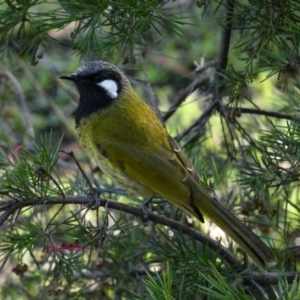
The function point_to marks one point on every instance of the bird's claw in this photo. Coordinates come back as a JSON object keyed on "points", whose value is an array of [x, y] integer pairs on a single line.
{"points": [[96, 199], [145, 209], [95, 193]]}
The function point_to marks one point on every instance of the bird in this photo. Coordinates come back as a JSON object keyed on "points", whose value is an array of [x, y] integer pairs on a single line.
{"points": [[128, 142]]}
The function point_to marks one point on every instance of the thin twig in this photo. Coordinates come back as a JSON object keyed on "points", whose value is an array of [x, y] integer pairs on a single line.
{"points": [[198, 82], [230, 153], [225, 37], [27, 119], [153, 99], [71, 92], [264, 113], [88, 182], [259, 288], [216, 103], [235, 137], [246, 135], [7, 213], [200, 122], [42, 172], [73, 214], [54, 216], [223, 54], [49, 99], [271, 278]]}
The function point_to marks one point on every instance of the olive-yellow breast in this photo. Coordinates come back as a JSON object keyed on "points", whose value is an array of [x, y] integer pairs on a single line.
{"points": [[127, 141]]}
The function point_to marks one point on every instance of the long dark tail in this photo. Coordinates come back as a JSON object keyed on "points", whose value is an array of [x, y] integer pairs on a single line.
{"points": [[232, 226]]}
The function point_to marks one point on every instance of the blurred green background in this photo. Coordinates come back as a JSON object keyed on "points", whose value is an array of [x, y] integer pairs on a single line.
{"points": [[250, 160]]}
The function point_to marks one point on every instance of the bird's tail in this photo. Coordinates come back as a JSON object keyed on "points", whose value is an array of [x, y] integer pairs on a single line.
{"points": [[232, 226]]}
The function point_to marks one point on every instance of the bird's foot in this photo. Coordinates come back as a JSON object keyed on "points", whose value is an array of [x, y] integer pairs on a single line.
{"points": [[95, 199], [95, 193], [145, 209]]}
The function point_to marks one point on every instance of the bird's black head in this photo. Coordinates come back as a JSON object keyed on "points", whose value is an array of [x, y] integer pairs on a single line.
{"points": [[99, 83]]}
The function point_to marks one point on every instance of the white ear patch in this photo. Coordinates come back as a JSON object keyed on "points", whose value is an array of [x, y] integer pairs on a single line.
{"points": [[110, 87]]}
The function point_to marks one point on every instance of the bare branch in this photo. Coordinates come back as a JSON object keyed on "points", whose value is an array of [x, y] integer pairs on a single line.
{"points": [[199, 124], [198, 82], [225, 36], [18, 89], [49, 99], [153, 99], [272, 278], [264, 113]]}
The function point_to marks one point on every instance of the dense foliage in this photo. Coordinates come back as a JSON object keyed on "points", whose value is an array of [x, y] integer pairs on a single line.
{"points": [[225, 77]]}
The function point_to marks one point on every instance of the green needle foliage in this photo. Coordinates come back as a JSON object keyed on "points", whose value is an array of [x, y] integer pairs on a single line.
{"points": [[28, 174], [98, 25], [224, 74]]}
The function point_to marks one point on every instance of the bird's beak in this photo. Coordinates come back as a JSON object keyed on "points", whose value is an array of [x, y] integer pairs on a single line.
{"points": [[71, 77]]}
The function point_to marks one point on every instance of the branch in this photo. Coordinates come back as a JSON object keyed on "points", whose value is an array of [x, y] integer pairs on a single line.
{"points": [[221, 64], [9, 207], [50, 101], [263, 113], [225, 37], [200, 123], [27, 118], [198, 82], [152, 98], [223, 53], [271, 278], [216, 103]]}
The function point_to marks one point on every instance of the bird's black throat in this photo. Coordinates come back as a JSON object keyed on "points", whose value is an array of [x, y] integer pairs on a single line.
{"points": [[92, 99]]}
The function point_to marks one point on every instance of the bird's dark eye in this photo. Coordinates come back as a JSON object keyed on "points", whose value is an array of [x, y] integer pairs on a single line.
{"points": [[98, 79]]}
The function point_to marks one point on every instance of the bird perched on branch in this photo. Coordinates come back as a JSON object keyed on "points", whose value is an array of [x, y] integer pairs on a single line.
{"points": [[128, 142]]}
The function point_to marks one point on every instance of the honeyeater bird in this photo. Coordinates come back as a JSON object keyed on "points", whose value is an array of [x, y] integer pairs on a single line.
{"points": [[128, 142]]}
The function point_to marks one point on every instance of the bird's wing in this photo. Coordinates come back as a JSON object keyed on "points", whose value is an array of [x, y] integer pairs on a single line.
{"points": [[166, 172], [183, 158]]}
